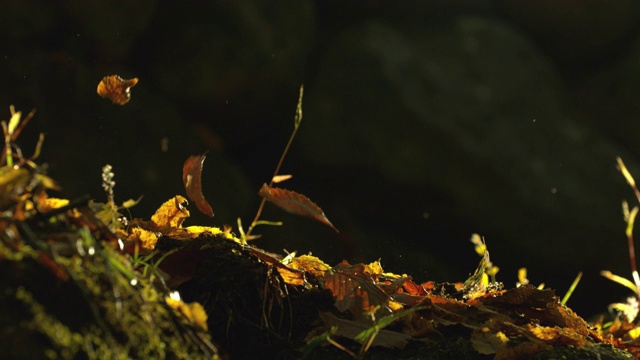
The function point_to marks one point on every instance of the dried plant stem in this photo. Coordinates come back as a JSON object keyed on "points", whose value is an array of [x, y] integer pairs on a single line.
{"points": [[630, 217], [296, 121]]}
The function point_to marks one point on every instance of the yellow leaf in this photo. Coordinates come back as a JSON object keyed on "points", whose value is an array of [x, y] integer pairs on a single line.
{"points": [[625, 172], [480, 246], [15, 120], [374, 269], [172, 213], [291, 277], [395, 306], [631, 220], [225, 231], [522, 276], [130, 203], [310, 264], [197, 230], [47, 182], [492, 271], [620, 280], [173, 300], [194, 312], [147, 238], [49, 204], [198, 316], [634, 333]]}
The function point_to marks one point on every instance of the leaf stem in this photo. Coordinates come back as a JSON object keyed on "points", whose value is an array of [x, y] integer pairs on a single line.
{"points": [[296, 124]]}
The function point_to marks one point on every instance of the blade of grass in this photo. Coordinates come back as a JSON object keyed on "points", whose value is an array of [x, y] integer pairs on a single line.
{"points": [[571, 289]]}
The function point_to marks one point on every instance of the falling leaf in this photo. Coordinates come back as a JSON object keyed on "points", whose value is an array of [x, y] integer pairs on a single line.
{"points": [[294, 203], [116, 89], [192, 179]]}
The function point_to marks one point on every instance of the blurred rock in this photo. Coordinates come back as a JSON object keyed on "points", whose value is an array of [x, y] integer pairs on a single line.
{"points": [[469, 110], [576, 33], [608, 99]]}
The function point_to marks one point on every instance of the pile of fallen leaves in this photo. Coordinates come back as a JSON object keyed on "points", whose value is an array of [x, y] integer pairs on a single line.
{"points": [[80, 279]]}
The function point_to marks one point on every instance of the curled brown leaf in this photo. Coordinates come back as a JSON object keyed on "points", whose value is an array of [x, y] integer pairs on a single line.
{"points": [[116, 89]]}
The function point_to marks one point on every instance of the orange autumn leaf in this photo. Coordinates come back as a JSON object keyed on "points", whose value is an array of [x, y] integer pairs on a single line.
{"points": [[294, 203], [414, 289], [116, 89], [290, 276], [192, 179]]}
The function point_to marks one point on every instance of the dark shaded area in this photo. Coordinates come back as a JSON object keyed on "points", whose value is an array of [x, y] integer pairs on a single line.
{"points": [[424, 122]]}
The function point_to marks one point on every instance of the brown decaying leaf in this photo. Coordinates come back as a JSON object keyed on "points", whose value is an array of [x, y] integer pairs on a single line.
{"points": [[192, 179], [354, 290], [116, 89], [294, 203]]}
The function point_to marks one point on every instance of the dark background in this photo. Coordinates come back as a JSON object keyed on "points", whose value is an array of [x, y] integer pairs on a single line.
{"points": [[423, 122]]}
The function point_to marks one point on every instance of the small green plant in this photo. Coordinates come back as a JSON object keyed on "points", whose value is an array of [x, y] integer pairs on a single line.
{"points": [[629, 310]]}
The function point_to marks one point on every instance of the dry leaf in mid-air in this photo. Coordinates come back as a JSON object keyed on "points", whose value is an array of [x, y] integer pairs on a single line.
{"points": [[116, 89], [192, 179], [294, 203]]}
